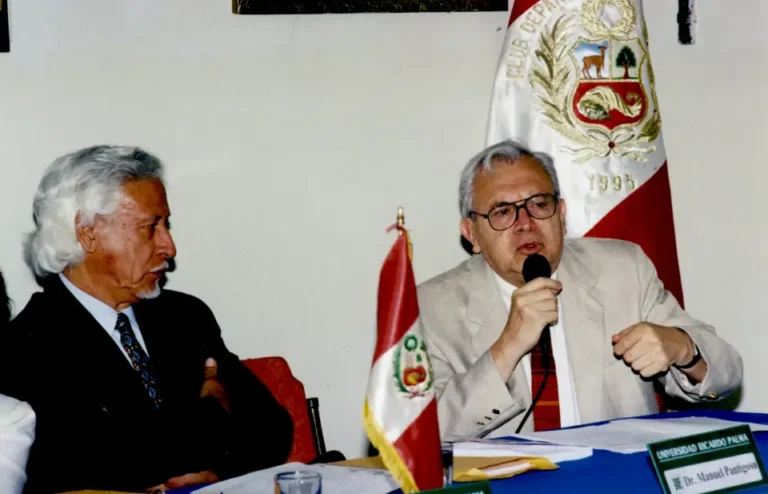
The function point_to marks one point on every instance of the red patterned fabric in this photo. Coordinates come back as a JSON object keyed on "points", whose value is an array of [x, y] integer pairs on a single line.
{"points": [[546, 414], [275, 373]]}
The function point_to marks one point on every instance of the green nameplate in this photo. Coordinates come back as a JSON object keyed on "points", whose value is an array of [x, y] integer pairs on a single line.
{"points": [[473, 488], [718, 461]]}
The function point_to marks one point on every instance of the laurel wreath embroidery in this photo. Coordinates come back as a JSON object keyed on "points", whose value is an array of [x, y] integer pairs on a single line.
{"points": [[553, 74], [590, 18]]}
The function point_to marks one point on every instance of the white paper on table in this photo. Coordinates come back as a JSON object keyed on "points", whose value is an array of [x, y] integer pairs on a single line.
{"points": [[632, 435], [336, 479], [493, 448]]}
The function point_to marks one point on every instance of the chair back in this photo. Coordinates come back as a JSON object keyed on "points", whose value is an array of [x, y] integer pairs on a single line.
{"points": [[275, 373]]}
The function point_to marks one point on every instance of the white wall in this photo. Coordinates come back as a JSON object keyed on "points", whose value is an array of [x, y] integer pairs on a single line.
{"points": [[290, 142]]}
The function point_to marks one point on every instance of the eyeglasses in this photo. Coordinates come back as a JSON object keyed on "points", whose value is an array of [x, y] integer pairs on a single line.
{"points": [[503, 216]]}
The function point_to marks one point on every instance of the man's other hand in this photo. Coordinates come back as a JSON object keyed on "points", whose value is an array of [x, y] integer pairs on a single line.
{"points": [[212, 386], [652, 349], [190, 479]]}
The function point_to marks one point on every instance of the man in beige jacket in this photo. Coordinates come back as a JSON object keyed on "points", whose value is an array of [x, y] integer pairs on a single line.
{"points": [[614, 329]]}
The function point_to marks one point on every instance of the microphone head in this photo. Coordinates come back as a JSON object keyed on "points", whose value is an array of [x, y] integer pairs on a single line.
{"points": [[536, 266]]}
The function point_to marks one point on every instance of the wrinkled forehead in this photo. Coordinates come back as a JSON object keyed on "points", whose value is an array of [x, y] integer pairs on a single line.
{"points": [[516, 180], [145, 197]]}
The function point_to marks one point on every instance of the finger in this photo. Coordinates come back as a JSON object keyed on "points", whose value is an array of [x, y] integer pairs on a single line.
{"points": [[211, 369], [543, 306], [649, 364], [637, 350], [157, 489], [652, 369], [191, 479], [522, 299], [542, 284], [548, 315], [618, 336], [642, 362], [182, 481], [627, 340]]}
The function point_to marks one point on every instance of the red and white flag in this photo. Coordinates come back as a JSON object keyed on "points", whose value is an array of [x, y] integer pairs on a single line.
{"points": [[575, 80], [400, 414]]}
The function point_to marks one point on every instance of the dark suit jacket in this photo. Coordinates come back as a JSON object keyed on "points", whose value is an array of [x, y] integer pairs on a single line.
{"points": [[96, 426]]}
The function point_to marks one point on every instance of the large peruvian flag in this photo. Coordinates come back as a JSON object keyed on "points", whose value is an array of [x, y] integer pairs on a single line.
{"points": [[575, 80], [400, 414]]}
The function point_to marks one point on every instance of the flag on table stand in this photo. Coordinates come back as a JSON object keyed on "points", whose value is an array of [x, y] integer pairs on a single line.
{"points": [[400, 414], [575, 80]]}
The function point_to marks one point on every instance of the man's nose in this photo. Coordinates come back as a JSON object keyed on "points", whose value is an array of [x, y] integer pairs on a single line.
{"points": [[165, 244], [523, 222]]}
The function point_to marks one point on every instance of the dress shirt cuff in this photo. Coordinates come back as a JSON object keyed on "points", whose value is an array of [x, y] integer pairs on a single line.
{"points": [[700, 390]]}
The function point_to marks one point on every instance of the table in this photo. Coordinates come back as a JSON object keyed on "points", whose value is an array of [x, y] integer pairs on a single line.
{"points": [[97, 492], [607, 472], [603, 472]]}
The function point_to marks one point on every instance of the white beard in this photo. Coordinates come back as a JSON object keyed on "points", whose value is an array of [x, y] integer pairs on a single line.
{"points": [[154, 292]]}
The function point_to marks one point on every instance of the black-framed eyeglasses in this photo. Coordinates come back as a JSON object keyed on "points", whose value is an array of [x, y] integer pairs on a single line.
{"points": [[503, 216]]}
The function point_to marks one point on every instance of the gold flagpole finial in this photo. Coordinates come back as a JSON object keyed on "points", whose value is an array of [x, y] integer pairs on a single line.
{"points": [[400, 220]]}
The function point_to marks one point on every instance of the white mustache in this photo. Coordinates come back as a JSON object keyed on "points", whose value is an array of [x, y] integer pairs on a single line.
{"points": [[161, 267]]}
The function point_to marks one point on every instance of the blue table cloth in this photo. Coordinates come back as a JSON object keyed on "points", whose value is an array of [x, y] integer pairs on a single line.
{"points": [[606, 472]]}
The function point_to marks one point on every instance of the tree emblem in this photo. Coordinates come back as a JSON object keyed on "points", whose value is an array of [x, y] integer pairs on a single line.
{"points": [[626, 58]]}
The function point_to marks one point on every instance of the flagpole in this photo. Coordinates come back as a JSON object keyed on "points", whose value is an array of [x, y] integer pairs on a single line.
{"points": [[399, 416]]}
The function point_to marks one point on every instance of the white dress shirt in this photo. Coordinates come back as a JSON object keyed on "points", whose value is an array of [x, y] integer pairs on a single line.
{"points": [[105, 315], [17, 431], [569, 411]]}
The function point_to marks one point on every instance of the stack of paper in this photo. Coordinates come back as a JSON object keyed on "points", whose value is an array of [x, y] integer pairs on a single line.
{"points": [[488, 459], [499, 448], [632, 435], [336, 479]]}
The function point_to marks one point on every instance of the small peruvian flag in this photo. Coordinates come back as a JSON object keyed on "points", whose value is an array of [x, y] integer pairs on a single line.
{"points": [[400, 414]]}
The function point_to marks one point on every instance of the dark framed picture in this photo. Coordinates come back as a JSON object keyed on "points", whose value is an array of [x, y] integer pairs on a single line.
{"points": [[264, 7], [5, 28]]}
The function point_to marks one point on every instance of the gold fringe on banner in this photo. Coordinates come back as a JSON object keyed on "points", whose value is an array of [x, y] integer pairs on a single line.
{"points": [[389, 455]]}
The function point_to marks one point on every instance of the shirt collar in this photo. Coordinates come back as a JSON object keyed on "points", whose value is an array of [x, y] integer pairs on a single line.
{"points": [[105, 315]]}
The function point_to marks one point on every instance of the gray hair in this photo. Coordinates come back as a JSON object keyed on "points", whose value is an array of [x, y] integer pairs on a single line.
{"points": [[508, 151], [87, 182]]}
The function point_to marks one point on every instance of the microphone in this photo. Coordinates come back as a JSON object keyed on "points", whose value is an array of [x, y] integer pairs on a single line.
{"points": [[537, 266]]}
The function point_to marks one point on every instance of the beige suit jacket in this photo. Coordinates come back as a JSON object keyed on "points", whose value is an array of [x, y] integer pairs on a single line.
{"points": [[608, 285]]}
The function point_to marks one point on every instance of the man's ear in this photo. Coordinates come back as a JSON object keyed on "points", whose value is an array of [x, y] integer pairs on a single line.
{"points": [[563, 210], [86, 235], [467, 227]]}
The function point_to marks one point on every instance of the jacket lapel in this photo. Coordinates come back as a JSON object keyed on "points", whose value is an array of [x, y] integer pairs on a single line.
{"points": [[486, 317], [584, 326], [147, 325], [111, 379], [171, 357]]}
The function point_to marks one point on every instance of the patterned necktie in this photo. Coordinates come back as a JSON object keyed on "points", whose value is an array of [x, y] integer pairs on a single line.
{"points": [[546, 415], [139, 358]]}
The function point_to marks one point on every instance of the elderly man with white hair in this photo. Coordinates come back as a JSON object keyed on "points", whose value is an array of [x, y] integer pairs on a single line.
{"points": [[132, 385]]}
